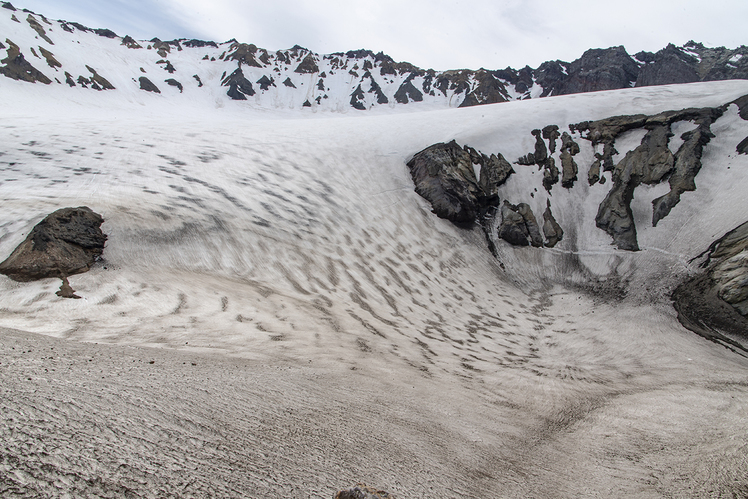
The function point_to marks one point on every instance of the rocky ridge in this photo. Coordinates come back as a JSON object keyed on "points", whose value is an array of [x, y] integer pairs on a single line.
{"points": [[358, 79], [462, 184]]}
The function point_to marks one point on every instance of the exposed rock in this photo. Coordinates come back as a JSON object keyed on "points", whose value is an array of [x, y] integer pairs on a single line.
{"points": [[518, 225], [488, 90], [550, 173], [287, 82], [199, 82], [742, 147], [687, 164], [714, 303], [50, 57], [239, 86], [65, 243], [357, 99], [408, 92], [130, 43], [321, 85], [444, 175], [593, 175], [97, 78], [308, 65], [199, 44], [669, 65], [174, 83], [306, 103], [648, 164], [551, 229], [9, 6], [69, 79], [168, 67], [265, 82], [162, 48], [38, 28], [597, 69], [18, 68], [106, 33], [569, 149], [550, 133], [244, 53], [147, 85], [361, 491], [377, 90], [66, 291]]}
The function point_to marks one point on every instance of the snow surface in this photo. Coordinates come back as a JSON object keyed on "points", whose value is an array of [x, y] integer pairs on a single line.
{"points": [[288, 238]]}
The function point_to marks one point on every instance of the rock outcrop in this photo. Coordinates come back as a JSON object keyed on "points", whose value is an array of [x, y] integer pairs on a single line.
{"points": [[65, 243], [714, 302], [148, 85], [361, 491], [650, 163], [445, 175], [518, 225], [551, 229], [239, 86]]}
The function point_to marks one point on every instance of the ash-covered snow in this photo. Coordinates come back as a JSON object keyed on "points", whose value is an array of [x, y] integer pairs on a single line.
{"points": [[341, 330]]}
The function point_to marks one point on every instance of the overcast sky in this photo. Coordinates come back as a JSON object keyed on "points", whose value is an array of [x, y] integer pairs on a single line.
{"points": [[439, 34]]}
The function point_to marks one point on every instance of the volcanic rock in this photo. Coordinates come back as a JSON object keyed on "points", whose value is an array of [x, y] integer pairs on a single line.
{"points": [[444, 174], [714, 303], [308, 65], [239, 86], [18, 68], [518, 225], [147, 85], [551, 229], [65, 243], [408, 92], [361, 491]]}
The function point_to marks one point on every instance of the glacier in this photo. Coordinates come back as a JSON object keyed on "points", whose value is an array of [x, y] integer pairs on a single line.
{"points": [[277, 312]]}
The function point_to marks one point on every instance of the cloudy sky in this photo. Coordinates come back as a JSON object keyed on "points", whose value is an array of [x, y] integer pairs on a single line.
{"points": [[439, 34]]}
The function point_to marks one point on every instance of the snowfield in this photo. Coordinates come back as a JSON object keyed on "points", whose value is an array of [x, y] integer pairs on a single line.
{"points": [[278, 313]]}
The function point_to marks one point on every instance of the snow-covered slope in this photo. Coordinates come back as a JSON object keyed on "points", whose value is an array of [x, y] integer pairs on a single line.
{"points": [[295, 243], [61, 53]]}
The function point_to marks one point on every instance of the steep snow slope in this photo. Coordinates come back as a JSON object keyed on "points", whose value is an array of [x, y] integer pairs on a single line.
{"points": [[285, 240]]}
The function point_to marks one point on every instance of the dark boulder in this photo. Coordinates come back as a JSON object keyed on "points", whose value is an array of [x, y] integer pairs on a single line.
{"points": [[65, 243]]}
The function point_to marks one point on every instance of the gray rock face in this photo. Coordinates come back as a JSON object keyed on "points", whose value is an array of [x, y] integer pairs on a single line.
{"points": [[445, 176], [551, 229], [650, 163], [18, 68], [518, 225], [239, 86], [669, 65], [714, 303], [408, 92], [569, 149], [65, 243], [147, 85]]}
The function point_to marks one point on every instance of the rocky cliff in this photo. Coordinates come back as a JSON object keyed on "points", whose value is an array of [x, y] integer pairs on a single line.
{"points": [[39, 50]]}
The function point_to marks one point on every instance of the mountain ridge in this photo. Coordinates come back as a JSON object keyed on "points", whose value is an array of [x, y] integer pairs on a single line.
{"points": [[358, 79]]}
